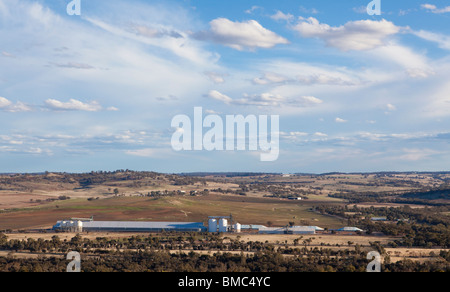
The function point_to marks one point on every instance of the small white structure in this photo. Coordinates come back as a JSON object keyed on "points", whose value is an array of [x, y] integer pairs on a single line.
{"points": [[295, 198], [79, 226], [237, 228]]}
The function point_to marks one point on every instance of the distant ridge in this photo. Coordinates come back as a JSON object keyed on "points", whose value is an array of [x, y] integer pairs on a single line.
{"points": [[227, 174]]}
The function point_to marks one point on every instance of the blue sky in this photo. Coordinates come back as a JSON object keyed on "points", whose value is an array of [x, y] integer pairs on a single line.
{"points": [[355, 93]]}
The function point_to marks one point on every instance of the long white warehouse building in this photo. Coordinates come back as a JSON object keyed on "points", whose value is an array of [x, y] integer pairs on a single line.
{"points": [[215, 224], [129, 226]]}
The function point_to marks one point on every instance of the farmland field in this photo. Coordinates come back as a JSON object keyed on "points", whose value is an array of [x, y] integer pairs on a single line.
{"points": [[38, 201], [246, 210], [414, 232]]}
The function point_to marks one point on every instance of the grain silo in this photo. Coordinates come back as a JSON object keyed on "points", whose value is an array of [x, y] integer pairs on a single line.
{"points": [[212, 225], [223, 225], [79, 226]]}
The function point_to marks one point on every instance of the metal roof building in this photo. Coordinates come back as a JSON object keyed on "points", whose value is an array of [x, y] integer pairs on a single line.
{"points": [[252, 227], [378, 218], [130, 226], [349, 229], [288, 230]]}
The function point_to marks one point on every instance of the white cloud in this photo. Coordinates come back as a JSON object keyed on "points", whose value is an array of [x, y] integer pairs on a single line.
{"points": [[215, 77], [211, 112], [7, 106], [72, 105], [416, 65], [298, 134], [19, 107], [443, 41], [320, 134], [433, 8], [151, 153], [419, 73], [156, 32], [253, 9], [324, 79], [437, 103], [360, 9], [339, 120], [281, 16], [4, 102], [316, 76], [73, 65], [308, 10], [9, 55], [354, 35], [214, 94], [175, 42], [241, 35], [267, 100], [311, 100], [270, 78], [391, 107], [417, 154]]}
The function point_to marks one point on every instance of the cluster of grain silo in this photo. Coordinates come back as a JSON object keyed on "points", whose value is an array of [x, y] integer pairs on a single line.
{"points": [[222, 225], [218, 224], [69, 226]]}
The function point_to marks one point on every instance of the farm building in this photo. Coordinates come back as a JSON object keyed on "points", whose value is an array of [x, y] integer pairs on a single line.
{"points": [[215, 224], [122, 226], [295, 198], [378, 218], [348, 230], [288, 230], [252, 227], [351, 229]]}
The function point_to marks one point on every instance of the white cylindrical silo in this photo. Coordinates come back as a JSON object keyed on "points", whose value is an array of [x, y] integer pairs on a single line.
{"points": [[237, 228], [80, 226], [212, 225], [223, 224]]}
